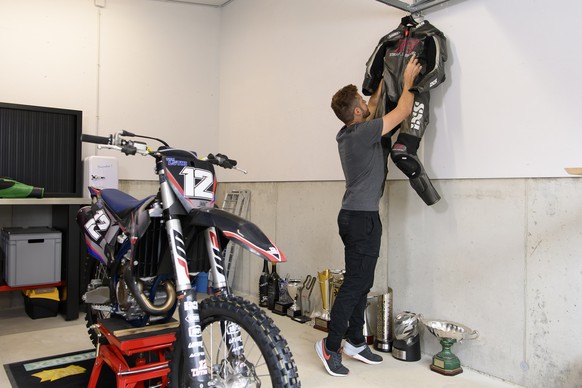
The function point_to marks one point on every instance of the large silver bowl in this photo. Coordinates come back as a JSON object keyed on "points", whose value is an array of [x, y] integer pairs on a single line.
{"points": [[452, 330]]}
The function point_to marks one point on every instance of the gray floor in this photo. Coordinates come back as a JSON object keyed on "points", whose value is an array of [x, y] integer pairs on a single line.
{"points": [[22, 338]]}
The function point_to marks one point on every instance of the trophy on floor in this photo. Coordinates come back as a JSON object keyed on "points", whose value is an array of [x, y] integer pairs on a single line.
{"points": [[337, 279], [384, 332], [294, 288], [406, 344], [367, 331], [445, 362], [322, 321], [285, 300], [304, 299]]}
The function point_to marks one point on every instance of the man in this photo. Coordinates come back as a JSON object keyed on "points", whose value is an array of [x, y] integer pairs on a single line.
{"points": [[361, 154]]}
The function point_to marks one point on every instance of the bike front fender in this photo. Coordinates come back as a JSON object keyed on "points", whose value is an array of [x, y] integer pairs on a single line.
{"points": [[239, 231]]}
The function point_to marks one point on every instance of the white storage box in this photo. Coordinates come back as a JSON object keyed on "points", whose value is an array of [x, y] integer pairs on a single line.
{"points": [[32, 256]]}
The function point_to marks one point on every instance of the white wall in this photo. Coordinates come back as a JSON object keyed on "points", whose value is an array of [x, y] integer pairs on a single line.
{"points": [[159, 76], [507, 108], [49, 51], [149, 67]]}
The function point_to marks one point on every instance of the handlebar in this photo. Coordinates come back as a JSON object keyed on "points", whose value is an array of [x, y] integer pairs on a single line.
{"points": [[96, 139], [131, 147]]}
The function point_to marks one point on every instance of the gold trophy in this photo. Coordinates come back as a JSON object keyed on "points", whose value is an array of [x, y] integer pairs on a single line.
{"points": [[324, 278]]}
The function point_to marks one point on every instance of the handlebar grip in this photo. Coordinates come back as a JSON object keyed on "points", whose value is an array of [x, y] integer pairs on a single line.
{"points": [[95, 139]]}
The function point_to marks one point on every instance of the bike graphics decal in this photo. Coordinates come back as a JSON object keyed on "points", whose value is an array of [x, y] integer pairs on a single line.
{"points": [[216, 251], [273, 254], [180, 251], [95, 250], [195, 341], [98, 225], [198, 183]]}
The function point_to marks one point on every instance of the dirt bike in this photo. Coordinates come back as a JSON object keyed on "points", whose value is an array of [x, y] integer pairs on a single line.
{"points": [[142, 255]]}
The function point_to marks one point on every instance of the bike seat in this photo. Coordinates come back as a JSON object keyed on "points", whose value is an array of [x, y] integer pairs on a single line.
{"points": [[121, 203]]}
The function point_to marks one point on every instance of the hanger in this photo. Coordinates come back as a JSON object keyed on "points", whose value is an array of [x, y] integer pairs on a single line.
{"points": [[413, 19], [408, 21], [418, 17]]}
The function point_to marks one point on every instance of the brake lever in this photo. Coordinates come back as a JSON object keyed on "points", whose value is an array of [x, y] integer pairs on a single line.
{"points": [[224, 162]]}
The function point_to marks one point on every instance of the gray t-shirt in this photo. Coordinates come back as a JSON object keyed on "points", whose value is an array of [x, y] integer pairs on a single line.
{"points": [[362, 160]]}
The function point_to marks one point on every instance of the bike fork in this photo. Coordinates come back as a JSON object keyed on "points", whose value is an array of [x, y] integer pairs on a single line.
{"points": [[192, 342], [230, 331]]}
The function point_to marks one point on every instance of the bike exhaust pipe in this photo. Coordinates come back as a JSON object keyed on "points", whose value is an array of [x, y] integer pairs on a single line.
{"points": [[136, 288]]}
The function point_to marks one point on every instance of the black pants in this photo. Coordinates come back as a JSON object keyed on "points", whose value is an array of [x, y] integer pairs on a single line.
{"points": [[361, 232]]}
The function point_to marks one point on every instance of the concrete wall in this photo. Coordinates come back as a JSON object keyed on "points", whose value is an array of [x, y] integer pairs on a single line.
{"points": [[501, 256]]}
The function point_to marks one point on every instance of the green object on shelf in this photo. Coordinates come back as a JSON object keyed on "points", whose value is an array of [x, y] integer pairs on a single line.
{"points": [[10, 188]]}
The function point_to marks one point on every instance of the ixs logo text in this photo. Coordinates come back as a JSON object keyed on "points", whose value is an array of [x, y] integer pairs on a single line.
{"points": [[417, 113]]}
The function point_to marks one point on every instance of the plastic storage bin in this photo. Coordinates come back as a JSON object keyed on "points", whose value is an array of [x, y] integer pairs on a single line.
{"points": [[32, 256], [41, 302]]}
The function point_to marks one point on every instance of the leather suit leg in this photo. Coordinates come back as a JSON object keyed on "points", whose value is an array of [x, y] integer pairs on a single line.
{"points": [[404, 150]]}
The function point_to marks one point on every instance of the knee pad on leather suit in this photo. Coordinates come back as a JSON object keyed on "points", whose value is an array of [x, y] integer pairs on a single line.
{"points": [[404, 156]]}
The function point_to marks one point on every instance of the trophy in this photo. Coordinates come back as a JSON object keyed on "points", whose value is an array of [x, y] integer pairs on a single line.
{"points": [[383, 342], [406, 345], [337, 279], [367, 331], [285, 300], [294, 288], [324, 278], [304, 297], [445, 362]]}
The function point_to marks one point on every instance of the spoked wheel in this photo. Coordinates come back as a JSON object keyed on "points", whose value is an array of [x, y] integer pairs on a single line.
{"points": [[267, 360]]}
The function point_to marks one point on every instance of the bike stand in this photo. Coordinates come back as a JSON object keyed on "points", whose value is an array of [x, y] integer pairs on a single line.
{"points": [[132, 345]]}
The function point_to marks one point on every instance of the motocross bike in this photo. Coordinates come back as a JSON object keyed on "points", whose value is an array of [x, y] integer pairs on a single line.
{"points": [[142, 255]]}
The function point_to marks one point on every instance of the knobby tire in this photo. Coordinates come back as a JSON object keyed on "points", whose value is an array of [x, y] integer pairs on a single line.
{"points": [[262, 330]]}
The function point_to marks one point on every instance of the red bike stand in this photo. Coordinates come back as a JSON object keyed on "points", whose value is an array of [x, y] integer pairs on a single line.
{"points": [[125, 341]]}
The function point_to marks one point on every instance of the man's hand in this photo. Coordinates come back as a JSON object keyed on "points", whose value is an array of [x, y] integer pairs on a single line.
{"points": [[411, 72]]}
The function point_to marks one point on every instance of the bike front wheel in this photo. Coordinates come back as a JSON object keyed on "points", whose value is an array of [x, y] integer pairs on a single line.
{"points": [[267, 360]]}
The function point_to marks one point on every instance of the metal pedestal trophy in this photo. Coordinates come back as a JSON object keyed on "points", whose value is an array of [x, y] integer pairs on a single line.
{"points": [[294, 288], [406, 346], [304, 298], [445, 362], [285, 300], [384, 339]]}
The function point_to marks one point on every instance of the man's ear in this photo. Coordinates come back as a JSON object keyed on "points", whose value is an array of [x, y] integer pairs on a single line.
{"points": [[357, 111]]}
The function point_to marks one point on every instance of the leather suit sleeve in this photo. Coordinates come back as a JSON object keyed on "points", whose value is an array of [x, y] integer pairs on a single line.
{"points": [[434, 55]]}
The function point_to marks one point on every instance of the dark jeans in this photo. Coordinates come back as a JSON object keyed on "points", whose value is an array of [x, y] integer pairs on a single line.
{"points": [[361, 232]]}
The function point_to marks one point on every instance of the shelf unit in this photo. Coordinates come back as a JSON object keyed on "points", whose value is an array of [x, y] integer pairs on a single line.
{"points": [[63, 212]]}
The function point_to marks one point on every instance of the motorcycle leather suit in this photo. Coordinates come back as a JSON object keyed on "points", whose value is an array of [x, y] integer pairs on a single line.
{"points": [[387, 64]]}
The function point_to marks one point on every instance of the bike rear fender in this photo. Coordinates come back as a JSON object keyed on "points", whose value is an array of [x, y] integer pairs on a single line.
{"points": [[239, 231]]}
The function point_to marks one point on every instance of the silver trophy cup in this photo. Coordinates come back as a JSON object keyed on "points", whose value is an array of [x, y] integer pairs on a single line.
{"points": [[294, 288], [445, 362]]}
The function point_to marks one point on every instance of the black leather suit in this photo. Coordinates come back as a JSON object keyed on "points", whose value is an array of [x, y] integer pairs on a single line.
{"points": [[387, 64]]}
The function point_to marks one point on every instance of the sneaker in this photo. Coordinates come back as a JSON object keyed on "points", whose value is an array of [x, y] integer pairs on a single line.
{"points": [[362, 352], [332, 361]]}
